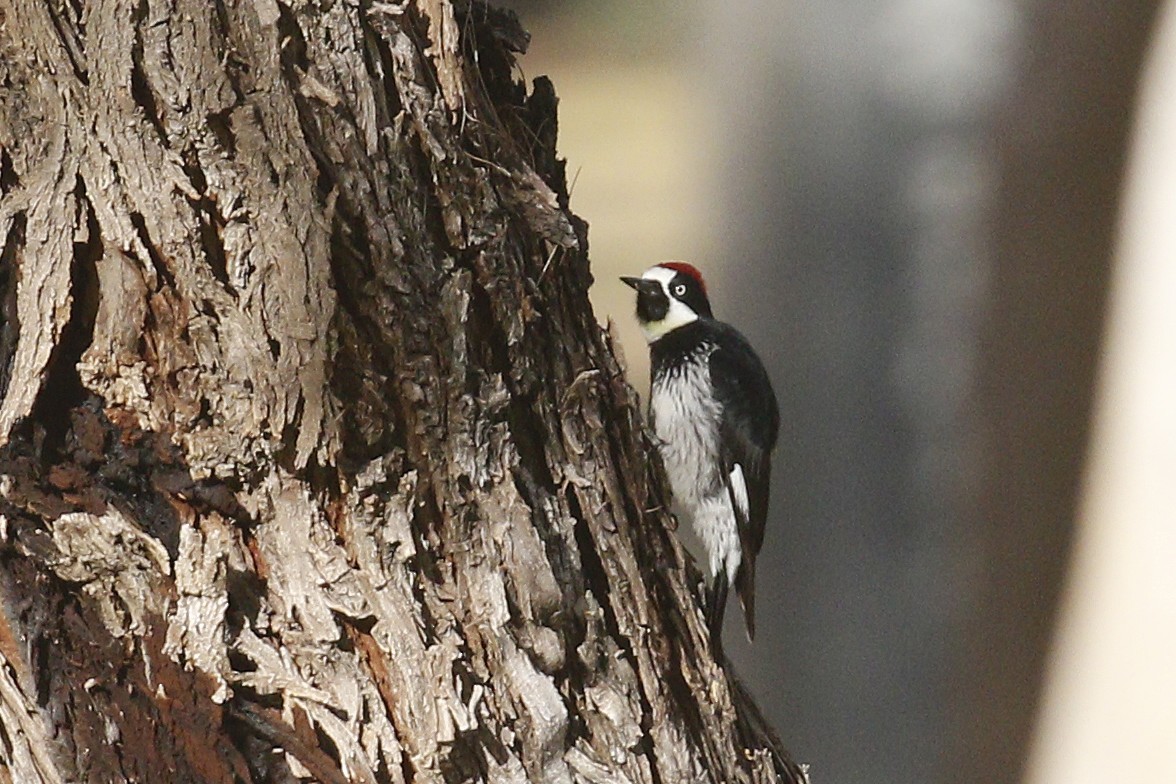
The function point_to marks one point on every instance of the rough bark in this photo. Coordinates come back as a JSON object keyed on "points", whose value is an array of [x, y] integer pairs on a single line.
{"points": [[315, 464]]}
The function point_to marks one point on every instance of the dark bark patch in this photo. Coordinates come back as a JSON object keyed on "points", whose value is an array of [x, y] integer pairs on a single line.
{"points": [[63, 387], [378, 60], [294, 57], [221, 126], [9, 315], [9, 179], [157, 260], [69, 34], [141, 91]]}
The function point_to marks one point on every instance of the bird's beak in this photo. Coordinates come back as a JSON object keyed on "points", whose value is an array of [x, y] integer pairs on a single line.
{"points": [[645, 287]]}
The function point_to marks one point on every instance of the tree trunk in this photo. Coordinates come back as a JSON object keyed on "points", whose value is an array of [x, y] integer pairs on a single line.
{"points": [[315, 464], [1060, 142]]}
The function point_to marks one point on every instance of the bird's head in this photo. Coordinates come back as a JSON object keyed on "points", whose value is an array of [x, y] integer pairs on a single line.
{"points": [[671, 294]]}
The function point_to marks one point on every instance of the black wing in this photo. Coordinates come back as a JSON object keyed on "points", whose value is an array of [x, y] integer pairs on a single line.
{"points": [[748, 429]]}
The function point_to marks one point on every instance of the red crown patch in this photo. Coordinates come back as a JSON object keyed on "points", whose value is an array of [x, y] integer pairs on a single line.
{"points": [[686, 269]]}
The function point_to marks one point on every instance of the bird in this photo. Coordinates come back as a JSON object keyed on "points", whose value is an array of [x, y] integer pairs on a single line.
{"points": [[715, 421]]}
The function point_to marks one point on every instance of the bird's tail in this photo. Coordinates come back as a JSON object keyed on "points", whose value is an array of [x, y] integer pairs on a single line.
{"points": [[745, 587]]}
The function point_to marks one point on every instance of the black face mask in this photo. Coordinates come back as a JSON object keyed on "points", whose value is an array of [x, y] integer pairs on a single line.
{"points": [[652, 302]]}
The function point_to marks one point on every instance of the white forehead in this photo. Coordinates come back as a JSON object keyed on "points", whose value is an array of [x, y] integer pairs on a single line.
{"points": [[662, 275]]}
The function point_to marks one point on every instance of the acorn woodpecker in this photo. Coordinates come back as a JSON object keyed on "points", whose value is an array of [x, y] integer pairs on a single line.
{"points": [[715, 417]]}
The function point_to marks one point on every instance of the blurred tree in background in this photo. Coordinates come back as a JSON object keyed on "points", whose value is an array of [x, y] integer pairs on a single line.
{"points": [[908, 206]]}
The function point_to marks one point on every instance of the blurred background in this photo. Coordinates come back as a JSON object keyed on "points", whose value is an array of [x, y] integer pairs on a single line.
{"points": [[912, 209]]}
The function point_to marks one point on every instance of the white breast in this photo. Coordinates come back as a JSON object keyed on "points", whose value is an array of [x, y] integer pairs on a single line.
{"points": [[686, 420]]}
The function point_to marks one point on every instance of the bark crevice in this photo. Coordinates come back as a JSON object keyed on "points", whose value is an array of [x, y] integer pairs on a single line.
{"points": [[61, 372]]}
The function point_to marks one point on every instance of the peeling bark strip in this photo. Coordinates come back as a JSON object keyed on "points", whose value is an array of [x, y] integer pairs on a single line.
{"points": [[315, 463]]}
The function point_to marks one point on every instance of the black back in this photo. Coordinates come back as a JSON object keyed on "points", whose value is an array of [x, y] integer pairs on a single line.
{"points": [[750, 425], [748, 428]]}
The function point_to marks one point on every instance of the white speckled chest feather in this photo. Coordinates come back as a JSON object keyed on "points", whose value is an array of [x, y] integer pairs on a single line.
{"points": [[686, 419]]}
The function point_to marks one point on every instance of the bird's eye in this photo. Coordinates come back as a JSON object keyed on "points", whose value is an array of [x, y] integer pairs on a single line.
{"points": [[679, 289]]}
